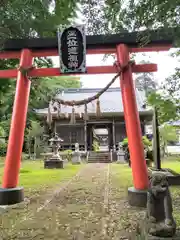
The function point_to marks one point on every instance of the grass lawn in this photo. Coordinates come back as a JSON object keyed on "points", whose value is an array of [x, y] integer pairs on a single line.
{"points": [[33, 176], [172, 163]]}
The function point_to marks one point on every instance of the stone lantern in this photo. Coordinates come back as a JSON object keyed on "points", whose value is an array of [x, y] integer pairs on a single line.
{"points": [[55, 161]]}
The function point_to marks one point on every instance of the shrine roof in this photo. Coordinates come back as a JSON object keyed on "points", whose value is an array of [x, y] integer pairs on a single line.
{"points": [[110, 101]]}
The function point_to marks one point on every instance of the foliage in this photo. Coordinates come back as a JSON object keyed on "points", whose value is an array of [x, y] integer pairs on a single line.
{"points": [[121, 16], [171, 89], [34, 132], [35, 129], [25, 18], [146, 142], [143, 14], [93, 16], [3, 148], [68, 154], [167, 133], [125, 142], [95, 145], [2, 132], [145, 81], [167, 98], [35, 18], [147, 147], [167, 110], [3, 143]]}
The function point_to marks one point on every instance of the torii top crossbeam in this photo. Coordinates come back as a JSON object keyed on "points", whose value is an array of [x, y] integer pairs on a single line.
{"points": [[98, 44], [157, 40]]}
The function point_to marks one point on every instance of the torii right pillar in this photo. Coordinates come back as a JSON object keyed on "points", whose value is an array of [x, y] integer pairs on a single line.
{"points": [[137, 195]]}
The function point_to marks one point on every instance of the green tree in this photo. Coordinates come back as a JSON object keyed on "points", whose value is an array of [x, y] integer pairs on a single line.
{"points": [[145, 81], [167, 133], [167, 100], [143, 14], [94, 17], [118, 16], [27, 18], [171, 86], [24, 19], [167, 110], [34, 133]]}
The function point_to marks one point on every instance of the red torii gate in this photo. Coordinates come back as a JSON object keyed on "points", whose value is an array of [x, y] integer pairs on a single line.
{"points": [[122, 45]]}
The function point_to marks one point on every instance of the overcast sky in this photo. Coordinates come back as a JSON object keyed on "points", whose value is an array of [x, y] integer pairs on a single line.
{"points": [[166, 66]]}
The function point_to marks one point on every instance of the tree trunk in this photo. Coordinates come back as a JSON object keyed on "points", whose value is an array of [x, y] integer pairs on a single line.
{"points": [[29, 148], [35, 148]]}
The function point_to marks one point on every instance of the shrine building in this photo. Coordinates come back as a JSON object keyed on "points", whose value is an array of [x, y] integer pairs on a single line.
{"points": [[110, 124]]}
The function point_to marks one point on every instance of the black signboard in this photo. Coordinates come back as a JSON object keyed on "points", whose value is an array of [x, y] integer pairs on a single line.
{"points": [[72, 49]]}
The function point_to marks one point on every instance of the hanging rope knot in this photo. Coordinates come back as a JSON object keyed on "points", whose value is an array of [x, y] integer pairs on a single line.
{"points": [[25, 71], [122, 68]]}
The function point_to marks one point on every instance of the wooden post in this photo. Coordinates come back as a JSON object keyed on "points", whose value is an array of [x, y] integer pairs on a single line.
{"points": [[114, 138], [85, 136], [133, 127], [55, 128], [156, 141]]}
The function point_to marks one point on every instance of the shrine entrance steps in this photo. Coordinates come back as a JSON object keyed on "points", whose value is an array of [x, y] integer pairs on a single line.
{"points": [[99, 157]]}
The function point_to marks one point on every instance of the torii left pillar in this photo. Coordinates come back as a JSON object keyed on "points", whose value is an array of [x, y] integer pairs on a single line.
{"points": [[10, 193]]}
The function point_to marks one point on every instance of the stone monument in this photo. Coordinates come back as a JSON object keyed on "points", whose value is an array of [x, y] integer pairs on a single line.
{"points": [[160, 223], [55, 161], [76, 156], [120, 154]]}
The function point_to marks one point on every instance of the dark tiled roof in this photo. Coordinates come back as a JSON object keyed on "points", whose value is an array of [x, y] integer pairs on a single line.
{"points": [[110, 101]]}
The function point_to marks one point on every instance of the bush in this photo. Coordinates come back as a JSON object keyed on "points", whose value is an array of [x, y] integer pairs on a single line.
{"points": [[24, 156], [147, 146], [24, 171], [68, 154], [95, 146], [3, 149], [147, 143], [125, 142]]}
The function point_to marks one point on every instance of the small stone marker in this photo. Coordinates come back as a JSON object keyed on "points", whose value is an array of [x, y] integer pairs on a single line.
{"points": [[120, 154], [76, 156]]}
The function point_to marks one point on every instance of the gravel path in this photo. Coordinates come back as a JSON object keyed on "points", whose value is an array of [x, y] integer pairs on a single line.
{"points": [[87, 207]]}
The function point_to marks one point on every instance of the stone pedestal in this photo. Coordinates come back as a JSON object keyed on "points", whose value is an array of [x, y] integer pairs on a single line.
{"points": [[76, 158], [120, 157], [10, 196], [137, 198], [54, 162], [176, 237]]}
